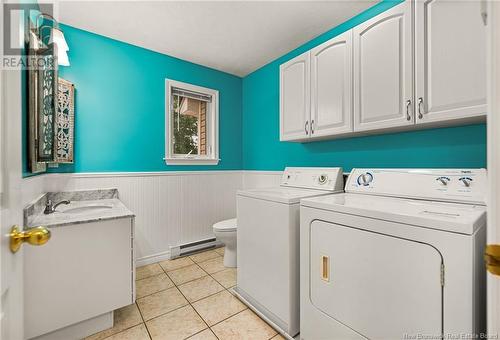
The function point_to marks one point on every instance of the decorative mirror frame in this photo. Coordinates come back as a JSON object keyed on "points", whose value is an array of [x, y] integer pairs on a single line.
{"points": [[65, 121], [42, 104]]}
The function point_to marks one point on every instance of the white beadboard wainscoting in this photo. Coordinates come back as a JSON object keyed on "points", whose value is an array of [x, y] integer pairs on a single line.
{"points": [[261, 179], [171, 208]]}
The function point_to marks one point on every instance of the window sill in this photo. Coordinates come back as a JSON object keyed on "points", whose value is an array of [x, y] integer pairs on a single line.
{"points": [[191, 161]]}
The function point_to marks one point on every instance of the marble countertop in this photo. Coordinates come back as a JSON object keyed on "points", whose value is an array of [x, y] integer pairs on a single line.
{"points": [[76, 212]]}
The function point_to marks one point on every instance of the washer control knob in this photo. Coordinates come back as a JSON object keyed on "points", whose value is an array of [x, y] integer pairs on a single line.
{"points": [[443, 180], [322, 179], [365, 179], [466, 181]]}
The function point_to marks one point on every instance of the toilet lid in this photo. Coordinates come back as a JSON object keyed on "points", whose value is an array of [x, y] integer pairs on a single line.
{"points": [[226, 225]]}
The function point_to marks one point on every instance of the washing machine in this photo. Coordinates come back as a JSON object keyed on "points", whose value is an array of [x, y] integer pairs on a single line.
{"points": [[268, 243], [397, 256]]}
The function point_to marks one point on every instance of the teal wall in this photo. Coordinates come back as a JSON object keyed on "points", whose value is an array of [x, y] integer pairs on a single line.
{"points": [[449, 147], [120, 115], [120, 105]]}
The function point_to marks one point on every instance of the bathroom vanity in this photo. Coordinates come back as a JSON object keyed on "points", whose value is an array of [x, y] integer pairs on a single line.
{"points": [[75, 281]]}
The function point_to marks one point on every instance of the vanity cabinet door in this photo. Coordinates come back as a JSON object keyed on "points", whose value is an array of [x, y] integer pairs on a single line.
{"points": [[450, 60], [383, 70], [85, 270], [294, 99], [331, 87]]}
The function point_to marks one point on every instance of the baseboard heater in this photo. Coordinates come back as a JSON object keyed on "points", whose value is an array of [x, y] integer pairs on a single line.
{"points": [[193, 247]]}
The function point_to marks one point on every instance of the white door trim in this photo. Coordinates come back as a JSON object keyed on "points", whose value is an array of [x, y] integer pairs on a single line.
{"points": [[493, 158]]}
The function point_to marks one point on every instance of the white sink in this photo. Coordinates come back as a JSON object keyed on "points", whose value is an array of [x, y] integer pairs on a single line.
{"points": [[86, 209]]}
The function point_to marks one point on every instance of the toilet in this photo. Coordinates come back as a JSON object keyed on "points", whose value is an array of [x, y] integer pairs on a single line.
{"points": [[225, 232]]}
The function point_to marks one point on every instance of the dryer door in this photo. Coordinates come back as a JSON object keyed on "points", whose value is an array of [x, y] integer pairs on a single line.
{"points": [[382, 287]]}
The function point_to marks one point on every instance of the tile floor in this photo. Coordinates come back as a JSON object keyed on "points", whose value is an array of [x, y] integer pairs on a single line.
{"points": [[187, 298]]}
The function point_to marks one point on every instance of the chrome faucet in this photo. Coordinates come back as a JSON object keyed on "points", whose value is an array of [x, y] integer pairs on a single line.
{"points": [[51, 208]]}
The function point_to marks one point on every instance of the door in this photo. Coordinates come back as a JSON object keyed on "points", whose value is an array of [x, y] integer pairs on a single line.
{"points": [[380, 286], [294, 98], [11, 283], [493, 226], [331, 87], [383, 70], [450, 69]]}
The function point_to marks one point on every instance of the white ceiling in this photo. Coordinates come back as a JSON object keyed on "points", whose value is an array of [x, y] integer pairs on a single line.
{"points": [[237, 37]]}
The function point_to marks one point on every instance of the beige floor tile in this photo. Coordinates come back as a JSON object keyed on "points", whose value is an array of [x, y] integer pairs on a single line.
{"points": [[200, 288], [179, 324], [206, 255], [227, 277], [170, 265], [152, 285], [220, 251], [218, 307], [124, 318], [205, 335], [161, 303], [186, 274], [147, 271], [138, 332], [213, 266], [243, 326], [278, 337]]}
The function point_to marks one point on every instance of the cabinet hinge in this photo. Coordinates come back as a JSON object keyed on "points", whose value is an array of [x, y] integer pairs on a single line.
{"points": [[442, 275]]}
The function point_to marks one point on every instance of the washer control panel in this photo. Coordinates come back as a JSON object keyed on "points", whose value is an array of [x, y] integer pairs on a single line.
{"points": [[453, 185], [330, 179]]}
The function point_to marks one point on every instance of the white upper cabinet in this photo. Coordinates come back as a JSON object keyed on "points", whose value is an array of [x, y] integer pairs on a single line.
{"points": [[295, 98], [450, 60], [421, 63], [331, 87], [383, 93]]}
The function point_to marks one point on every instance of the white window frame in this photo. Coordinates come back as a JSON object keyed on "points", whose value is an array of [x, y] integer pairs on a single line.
{"points": [[212, 158]]}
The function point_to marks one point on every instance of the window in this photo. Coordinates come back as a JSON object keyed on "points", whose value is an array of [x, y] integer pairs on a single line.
{"points": [[192, 119]]}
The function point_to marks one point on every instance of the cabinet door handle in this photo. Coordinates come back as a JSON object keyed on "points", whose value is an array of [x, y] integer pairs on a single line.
{"points": [[305, 127], [312, 126], [420, 103], [408, 104]]}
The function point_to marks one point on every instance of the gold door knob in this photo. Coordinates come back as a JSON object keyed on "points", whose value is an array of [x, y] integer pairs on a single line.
{"points": [[35, 236], [492, 258]]}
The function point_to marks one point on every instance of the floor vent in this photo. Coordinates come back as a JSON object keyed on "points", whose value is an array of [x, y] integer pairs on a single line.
{"points": [[193, 247]]}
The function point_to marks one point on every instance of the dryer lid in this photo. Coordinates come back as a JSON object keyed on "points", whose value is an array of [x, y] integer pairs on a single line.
{"points": [[451, 217], [282, 194]]}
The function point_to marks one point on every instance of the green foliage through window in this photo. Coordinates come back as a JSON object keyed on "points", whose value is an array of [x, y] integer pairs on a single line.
{"points": [[185, 131]]}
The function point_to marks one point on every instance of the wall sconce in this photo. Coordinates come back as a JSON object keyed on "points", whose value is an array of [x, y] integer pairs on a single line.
{"points": [[56, 37]]}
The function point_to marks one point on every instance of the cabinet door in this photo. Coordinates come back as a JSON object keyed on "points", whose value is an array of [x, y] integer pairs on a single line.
{"points": [[383, 70], [450, 61], [331, 86], [294, 98]]}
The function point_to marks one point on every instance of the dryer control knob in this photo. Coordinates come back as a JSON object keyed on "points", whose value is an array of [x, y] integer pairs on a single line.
{"points": [[466, 181], [443, 180], [365, 179]]}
